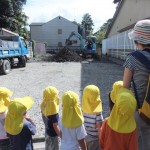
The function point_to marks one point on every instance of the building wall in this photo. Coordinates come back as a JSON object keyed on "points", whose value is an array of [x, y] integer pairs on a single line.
{"points": [[48, 32], [36, 32], [130, 12]]}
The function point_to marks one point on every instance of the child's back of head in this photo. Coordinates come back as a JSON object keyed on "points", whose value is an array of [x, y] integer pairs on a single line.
{"points": [[91, 102], [122, 116], [50, 103], [71, 112], [16, 111]]}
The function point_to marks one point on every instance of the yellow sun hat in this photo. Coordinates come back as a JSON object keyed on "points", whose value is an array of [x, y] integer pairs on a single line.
{"points": [[72, 116], [116, 86], [5, 95], [121, 118], [16, 110], [50, 103], [91, 102]]}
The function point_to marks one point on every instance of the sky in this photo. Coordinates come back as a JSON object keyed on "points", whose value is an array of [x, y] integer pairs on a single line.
{"points": [[73, 10]]}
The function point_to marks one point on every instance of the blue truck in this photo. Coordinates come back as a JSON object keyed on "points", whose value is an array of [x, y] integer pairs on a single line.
{"points": [[13, 52]]}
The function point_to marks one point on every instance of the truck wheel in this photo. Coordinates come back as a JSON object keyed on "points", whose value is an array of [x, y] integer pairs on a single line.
{"points": [[22, 61], [6, 67]]}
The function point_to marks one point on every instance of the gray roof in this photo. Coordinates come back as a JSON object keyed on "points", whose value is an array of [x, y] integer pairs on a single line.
{"points": [[37, 24]]}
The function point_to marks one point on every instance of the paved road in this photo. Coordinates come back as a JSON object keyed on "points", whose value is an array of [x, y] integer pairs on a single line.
{"points": [[64, 76]]}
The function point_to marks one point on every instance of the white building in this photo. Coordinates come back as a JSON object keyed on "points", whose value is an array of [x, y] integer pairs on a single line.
{"points": [[54, 32]]}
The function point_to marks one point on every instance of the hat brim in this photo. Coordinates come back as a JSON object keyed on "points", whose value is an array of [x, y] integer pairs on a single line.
{"points": [[26, 101], [131, 35]]}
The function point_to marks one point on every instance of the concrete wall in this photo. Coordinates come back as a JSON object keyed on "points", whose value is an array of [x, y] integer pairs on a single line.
{"points": [[39, 48]]}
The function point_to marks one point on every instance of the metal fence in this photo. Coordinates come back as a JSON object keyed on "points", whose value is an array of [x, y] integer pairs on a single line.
{"points": [[118, 46]]}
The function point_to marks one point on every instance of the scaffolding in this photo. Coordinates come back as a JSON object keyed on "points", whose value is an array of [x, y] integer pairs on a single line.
{"points": [[118, 46]]}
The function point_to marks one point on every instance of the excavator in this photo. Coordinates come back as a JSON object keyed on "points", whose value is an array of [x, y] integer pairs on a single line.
{"points": [[87, 46]]}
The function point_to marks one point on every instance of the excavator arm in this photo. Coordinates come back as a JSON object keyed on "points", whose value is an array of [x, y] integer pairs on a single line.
{"points": [[70, 42]]}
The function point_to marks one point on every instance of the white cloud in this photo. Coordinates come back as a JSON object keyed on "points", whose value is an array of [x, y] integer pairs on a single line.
{"points": [[45, 10]]}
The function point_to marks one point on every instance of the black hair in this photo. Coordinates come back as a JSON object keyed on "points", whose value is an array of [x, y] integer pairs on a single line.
{"points": [[144, 45], [111, 104]]}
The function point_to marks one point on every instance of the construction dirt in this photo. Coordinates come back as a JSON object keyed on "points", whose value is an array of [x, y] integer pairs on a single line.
{"points": [[66, 54]]}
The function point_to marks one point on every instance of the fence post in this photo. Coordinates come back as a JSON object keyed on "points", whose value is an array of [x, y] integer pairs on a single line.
{"points": [[124, 45]]}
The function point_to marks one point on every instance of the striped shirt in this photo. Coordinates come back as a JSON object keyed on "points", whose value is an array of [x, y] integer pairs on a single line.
{"points": [[90, 121]]}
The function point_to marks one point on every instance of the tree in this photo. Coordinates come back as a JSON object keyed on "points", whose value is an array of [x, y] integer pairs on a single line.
{"points": [[102, 31], [6, 13], [87, 23], [12, 17]]}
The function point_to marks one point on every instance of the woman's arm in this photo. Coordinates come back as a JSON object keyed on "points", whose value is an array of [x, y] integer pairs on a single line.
{"points": [[127, 78]]}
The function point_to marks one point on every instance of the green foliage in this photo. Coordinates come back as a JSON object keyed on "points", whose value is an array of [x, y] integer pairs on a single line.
{"points": [[100, 34], [12, 17], [87, 23]]}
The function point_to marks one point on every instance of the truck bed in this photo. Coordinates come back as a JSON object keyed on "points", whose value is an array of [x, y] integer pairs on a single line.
{"points": [[9, 48], [9, 52]]}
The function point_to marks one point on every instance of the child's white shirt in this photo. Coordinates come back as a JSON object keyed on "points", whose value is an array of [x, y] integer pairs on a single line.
{"points": [[70, 137]]}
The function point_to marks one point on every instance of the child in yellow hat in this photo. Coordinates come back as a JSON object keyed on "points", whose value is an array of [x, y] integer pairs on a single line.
{"points": [[118, 131], [92, 112], [50, 114], [18, 125], [5, 95], [71, 124]]}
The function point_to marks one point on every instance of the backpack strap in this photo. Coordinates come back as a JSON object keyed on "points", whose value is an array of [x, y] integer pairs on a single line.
{"points": [[144, 60]]}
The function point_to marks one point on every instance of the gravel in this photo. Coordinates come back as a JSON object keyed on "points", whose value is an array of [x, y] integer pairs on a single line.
{"points": [[37, 75]]}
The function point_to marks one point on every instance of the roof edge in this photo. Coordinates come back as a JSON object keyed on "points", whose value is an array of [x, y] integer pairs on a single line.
{"points": [[114, 17]]}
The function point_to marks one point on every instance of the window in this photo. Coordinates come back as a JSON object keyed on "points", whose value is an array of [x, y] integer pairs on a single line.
{"points": [[59, 43], [59, 31]]}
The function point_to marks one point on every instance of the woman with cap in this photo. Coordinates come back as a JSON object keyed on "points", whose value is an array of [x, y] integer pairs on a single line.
{"points": [[92, 112], [118, 131], [18, 125], [71, 124], [50, 115], [137, 72], [5, 95]]}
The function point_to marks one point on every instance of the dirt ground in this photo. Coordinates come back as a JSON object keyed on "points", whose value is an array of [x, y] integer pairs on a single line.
{"points": [[31, 81]]}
